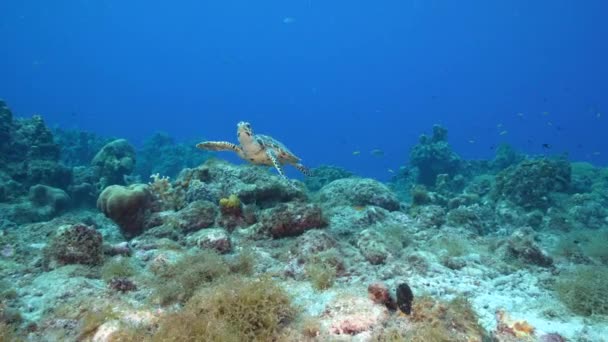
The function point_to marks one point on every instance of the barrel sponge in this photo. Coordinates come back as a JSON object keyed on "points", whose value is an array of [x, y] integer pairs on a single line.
{"points": [[126, 206]]}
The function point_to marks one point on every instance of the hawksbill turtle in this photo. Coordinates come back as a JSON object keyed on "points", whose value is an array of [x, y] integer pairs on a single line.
{"points": [[258, 149]]}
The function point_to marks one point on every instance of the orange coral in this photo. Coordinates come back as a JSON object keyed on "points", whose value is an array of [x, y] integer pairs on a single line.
{"points": [[508, 326], [523, 328]]}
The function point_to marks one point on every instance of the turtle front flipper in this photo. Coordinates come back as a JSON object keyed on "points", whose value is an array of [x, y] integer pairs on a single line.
{"points": [[275, 162], [306, 171], [219, 146]]}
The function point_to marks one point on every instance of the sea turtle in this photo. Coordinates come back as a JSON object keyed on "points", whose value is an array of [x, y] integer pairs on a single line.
{"points": [[258, 149]]}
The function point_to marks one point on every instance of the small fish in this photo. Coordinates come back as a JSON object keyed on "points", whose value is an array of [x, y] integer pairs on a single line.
{"points": [[356, 153], [499, 125], [545, 145], [549, 123], [598, 115], [359, 207], [377, 152], [596, 153], [521, 115], [471, 141], [390, 171], [504, 132], [289, 20], [545, 113]]}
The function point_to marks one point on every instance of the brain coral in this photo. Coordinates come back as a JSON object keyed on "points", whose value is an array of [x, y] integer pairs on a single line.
{"points": [[127, 206]]}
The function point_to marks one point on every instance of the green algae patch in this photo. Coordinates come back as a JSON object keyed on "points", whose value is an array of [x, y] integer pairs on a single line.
{"points": [[178, 282], [321, 275], [233, 309], [119, 267], [7, 333], [438, 321], [583, 290]]}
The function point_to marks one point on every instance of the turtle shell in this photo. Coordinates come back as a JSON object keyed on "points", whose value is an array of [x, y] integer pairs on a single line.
{"points": [[282, 152]]}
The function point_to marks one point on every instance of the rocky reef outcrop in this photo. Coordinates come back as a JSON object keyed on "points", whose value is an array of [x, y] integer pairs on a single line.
{"points": [[433, 156], [28, 154]]}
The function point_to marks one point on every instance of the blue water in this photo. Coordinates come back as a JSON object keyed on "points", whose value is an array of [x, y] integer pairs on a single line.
{"points": [[325, 77]]}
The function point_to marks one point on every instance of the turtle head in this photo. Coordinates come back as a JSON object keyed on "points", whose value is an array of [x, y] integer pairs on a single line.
{"points": [[244, 133]]}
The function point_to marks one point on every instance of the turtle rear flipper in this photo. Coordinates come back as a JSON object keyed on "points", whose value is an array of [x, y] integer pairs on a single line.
{"points": [[275, 162], [306, 171], [218, 146], [277, 165]]}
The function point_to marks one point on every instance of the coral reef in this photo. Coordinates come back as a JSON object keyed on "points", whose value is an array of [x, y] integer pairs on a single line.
{"points": [[28, 153], [290, 219], [324, 175], [358, 192], [522, 246], [251, 184], [78, 148], [231, 252], [114, 161], [372, 247], [216, 239], [505, 156], [433, 156], [160, 154], [166, 195], [197, 215], [531, 182], [55, 199]]}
